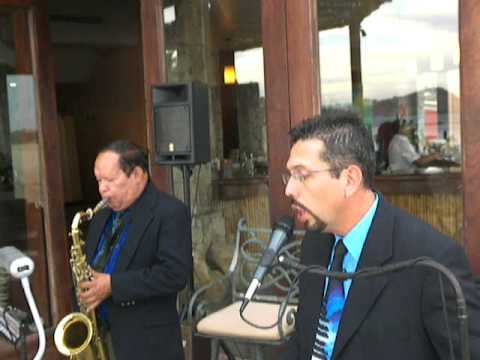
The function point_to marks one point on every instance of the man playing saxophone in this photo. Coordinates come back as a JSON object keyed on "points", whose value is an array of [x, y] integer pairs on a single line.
{"points": [[140, 251]]}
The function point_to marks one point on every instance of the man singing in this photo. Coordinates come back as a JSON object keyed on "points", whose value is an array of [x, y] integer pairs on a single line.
{"points": [[352, 227]]}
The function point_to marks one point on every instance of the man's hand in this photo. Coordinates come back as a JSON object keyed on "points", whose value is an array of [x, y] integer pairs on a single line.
{"points": [[93, 292]]}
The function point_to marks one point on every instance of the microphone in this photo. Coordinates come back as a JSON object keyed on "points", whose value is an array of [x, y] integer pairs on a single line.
{"points": [[282, 230]]}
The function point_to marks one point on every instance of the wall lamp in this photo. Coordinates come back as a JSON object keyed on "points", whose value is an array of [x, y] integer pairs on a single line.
{"points": [[229, 75]]}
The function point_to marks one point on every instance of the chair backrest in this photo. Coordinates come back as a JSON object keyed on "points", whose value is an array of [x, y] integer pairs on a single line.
{"points": [[270, 301], [249, 247]]}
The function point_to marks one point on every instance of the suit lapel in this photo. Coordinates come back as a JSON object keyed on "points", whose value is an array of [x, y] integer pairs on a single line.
{"points": [[140, 215], [364, 291], [317, 247]]}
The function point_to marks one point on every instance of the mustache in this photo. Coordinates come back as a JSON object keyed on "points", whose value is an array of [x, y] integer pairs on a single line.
{"points": [[305, 208]]}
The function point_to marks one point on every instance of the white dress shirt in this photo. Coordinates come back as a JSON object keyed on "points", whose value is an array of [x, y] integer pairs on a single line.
{"points": [[401, 154]]}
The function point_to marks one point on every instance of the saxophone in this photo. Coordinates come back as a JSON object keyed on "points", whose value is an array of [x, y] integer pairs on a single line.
{"points": [[77, 334]]}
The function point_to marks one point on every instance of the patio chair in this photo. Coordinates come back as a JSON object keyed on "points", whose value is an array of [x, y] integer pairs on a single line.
{"points": [[220, 321]]}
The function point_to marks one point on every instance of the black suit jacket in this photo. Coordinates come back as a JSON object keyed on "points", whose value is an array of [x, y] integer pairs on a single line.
{"points": [[154, 265], [395, 316]]}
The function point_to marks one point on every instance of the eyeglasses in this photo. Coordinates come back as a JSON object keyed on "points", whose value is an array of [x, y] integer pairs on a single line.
{"points": [[300, 177]]}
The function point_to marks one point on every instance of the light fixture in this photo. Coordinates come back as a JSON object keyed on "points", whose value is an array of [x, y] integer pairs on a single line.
{"points": [[229, 75]]}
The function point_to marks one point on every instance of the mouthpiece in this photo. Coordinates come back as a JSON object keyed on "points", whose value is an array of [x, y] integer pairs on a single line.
{"points": [[102, 204], [87, 215]]}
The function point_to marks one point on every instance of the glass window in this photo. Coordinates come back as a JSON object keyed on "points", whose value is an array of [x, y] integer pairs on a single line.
{"points": [[21, 202], [397, 62], [336, 80], [220, 44]]}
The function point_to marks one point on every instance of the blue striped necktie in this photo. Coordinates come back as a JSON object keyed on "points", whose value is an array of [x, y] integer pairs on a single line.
{"points": [[332, 307], [109, 242]]}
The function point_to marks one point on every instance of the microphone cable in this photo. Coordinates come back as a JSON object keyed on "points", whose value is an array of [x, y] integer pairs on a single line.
{"points": [[445, 316], [381, 270], [292, 290], [321, 270]]}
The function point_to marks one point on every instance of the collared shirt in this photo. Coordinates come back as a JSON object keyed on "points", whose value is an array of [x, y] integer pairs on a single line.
{"points": [[354, 242], [401, 154]]}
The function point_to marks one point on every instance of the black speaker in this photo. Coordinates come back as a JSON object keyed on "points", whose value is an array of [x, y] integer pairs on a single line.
{"points": [[181, 122]]}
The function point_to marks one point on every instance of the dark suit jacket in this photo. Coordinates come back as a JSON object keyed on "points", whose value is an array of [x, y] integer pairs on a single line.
{"points": [[155, 264], [395, 316]]}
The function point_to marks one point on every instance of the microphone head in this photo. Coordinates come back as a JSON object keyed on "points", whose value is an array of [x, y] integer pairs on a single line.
{"points": [[285, 223]]}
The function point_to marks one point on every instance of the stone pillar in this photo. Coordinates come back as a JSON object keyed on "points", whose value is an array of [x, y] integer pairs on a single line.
{"points": [[190, 55]]}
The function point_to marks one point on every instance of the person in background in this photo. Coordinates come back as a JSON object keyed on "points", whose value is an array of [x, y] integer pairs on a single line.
{"points": [[402, 156], [141, 250], [351, 227]]}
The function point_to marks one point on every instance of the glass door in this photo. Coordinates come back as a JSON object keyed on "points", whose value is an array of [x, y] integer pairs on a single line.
{"points": [[21, 217]]}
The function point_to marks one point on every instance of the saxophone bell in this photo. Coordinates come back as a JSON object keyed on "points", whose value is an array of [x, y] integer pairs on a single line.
{"points": [[73, 334]]}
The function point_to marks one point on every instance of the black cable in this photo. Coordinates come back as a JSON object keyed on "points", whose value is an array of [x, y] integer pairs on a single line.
{"points": [[4, 316], [172, 181], [281, 310], [263, 327], [226, 350], [445, 316], [187, 174], [238, 350], [19, 342], [320, 270], [195, 198], [462, 312], [23, 341], [375, 271]]}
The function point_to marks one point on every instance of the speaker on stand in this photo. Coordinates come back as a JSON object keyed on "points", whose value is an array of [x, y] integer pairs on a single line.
{"points": [[181, 122], [182, 128], [182, 138]]}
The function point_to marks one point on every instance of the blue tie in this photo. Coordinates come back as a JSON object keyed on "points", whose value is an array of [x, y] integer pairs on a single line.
{"points": [[332, 307], [109, 242]]}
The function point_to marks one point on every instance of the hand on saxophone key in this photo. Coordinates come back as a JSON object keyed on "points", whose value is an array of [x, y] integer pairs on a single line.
{"points": [[94, 291]]}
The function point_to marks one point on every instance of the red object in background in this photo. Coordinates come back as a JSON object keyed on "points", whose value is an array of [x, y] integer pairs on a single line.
{"points": [[431, 124]]}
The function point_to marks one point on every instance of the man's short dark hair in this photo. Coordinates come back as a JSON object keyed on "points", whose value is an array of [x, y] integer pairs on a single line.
{"points": [[130, 155], [347, 141]]}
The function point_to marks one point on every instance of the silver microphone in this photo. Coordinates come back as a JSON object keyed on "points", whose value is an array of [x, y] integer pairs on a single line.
{"points": [[282, 230]]}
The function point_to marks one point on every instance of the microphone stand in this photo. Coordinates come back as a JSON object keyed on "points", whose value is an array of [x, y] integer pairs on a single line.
{"points": [[375, 271]]}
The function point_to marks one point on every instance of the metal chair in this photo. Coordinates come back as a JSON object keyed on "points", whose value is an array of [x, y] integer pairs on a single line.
{"points": [[220, 321]]}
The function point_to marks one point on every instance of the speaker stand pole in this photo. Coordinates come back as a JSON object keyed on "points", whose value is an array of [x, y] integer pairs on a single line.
{"points": [[187, 331], [187, 173]]}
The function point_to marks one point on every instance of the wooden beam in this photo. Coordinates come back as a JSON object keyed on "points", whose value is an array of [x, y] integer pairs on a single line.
{"points": [[277, 98], [356, 65], [469, 18], [23, 46], [17, 3], [52, 185], [34, 236], [303, 62], [154, 73], [290, 45]]}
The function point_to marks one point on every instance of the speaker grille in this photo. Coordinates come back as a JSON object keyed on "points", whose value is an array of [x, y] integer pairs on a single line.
{"points": [[172, 129], [181, 123]]}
